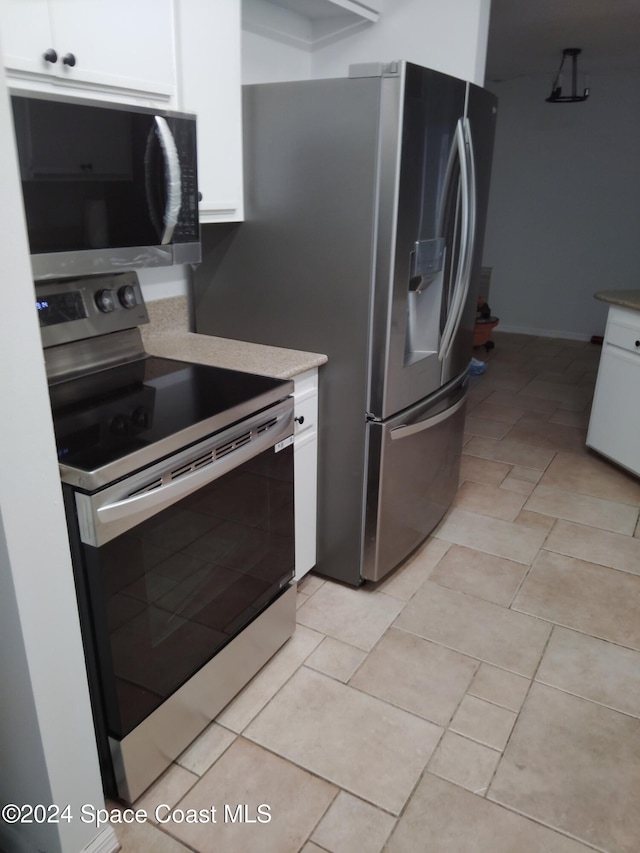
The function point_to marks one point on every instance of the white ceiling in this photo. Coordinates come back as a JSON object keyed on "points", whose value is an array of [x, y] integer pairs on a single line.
{"points": [[528, 36]]}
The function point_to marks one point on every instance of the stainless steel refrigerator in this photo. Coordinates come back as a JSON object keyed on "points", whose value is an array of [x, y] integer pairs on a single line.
{"points": [[366, 200]]}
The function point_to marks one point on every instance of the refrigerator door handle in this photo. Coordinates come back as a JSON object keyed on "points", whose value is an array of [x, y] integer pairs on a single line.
{"points": [[468, 199], [405, 430]]}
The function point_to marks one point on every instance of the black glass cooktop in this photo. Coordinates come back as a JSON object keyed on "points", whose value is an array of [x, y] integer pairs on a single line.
{"points": [[115, 421]]}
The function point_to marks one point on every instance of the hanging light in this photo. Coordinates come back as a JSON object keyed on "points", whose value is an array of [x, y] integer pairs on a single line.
{"points": [[556, 96]]}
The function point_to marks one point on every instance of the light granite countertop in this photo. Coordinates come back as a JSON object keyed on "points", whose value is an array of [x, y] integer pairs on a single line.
{"points": [[622, 298], [169, 335]]}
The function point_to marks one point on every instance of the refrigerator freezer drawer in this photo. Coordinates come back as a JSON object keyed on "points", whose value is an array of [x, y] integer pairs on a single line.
{"points": [[413, 471]]}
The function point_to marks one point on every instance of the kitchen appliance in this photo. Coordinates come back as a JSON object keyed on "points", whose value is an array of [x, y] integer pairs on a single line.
{"points": [[178, 488], [106, 188], [366, 201]]}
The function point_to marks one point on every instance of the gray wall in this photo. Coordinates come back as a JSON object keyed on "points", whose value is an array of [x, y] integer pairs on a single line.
{"points": [[564, 209]]}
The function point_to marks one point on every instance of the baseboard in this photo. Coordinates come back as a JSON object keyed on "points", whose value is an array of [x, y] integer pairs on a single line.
{"points": [[105, 841], [541, 333]]}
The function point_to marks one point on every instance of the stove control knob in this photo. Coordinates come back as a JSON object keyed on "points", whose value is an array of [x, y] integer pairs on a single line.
{"points": [[140, 418], [105, 301], [127, 296], [119, 425]]}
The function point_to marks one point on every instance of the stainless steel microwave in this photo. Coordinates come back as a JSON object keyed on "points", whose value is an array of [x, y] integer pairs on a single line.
{"points": [[106, 188]]}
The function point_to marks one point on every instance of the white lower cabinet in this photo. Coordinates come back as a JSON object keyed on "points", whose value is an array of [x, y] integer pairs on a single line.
{"points": [[305, 455], [614, 425]]}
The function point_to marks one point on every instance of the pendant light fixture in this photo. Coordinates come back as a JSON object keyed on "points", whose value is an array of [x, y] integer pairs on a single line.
{"points": [[556, 96]]}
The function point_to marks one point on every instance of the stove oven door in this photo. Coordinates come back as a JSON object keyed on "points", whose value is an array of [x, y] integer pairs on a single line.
{"points": [[172, 564]]}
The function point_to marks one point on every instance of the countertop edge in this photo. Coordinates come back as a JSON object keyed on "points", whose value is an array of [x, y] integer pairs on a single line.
{"points": [[622, 298], [277, 362]]}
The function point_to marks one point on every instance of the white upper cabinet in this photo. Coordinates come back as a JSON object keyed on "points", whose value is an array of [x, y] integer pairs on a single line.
{"points": [[209, 85], [308, 23], [99, 47]]}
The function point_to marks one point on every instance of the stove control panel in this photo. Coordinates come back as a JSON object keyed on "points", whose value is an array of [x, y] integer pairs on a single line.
{"points": [[75, 309]]}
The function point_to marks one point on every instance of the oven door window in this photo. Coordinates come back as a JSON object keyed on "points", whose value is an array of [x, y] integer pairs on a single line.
{"points": [[170, 593]]}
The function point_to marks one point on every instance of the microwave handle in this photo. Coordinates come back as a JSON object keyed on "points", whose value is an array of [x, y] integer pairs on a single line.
{"points": [[173, 178]]}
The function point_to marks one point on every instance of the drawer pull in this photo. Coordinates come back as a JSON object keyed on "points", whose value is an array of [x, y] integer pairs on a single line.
{"points": [[638, 343], [300, 419]]}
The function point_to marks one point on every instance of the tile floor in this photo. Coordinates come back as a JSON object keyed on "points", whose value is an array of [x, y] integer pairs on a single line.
{"points": [[483, 699]]}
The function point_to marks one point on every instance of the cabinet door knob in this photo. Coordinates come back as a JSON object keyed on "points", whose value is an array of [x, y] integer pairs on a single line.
{"points": [[300, 420], [50, 55], [69, 59], [638, 343]]}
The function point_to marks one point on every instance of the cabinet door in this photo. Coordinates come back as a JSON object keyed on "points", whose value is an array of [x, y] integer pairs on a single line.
{"points": [[26, 36], [116, 43], [109, 45], [614, 425], [209, 85]]}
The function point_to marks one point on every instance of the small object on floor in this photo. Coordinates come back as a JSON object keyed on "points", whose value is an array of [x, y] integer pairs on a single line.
{"points": [[597, 339], [477, 367]]}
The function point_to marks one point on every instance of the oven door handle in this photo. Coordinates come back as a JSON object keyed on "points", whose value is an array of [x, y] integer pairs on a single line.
{"points": [[100, 524]]}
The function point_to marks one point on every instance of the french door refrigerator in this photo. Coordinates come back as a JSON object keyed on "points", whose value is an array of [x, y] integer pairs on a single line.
{"points": [[366, 201]]}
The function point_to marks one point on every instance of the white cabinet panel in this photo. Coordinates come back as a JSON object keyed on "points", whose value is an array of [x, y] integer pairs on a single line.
{"points": [[305, 455], [614, 425], [209, 85], [113, 46]]}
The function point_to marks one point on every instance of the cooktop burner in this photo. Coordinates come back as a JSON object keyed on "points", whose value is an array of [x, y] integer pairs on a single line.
{"points": [[117, 420]]}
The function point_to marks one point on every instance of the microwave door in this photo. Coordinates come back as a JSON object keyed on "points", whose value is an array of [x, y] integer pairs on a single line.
{"points": [[163, 179]]}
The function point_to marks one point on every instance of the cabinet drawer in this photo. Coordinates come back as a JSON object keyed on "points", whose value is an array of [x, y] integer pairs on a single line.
{"points": [[306, 414], [624, 337]]}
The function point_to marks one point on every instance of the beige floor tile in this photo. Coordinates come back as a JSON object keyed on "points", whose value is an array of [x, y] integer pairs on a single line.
{"points": [[250, 701], [574, 765], [476, 628], [444, 818], [489, 500], [584, 509], [588, 474], [206, 749], [500, 687], [529, 475], [251, 776], [366, 746], [593, 669], [310, 847], [169, 788], [502, 414], [535, 519], [618, 551], [310, 583], [146, 838], [598, 601], [544, 433], [483, 426], [480, 470], [301, 597], [355, 616], [482, 575], [574, 419], [573, 399], [522, 401], [409, 577], [336, 659], [483, 722], [515, 484], [464, 762], [510, 452], [430, 682], [351, 824], [491, 535]]}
